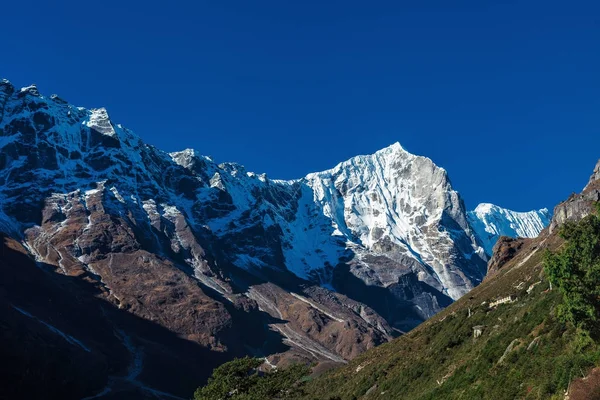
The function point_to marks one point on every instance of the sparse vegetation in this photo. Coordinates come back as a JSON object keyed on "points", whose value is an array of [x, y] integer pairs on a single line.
{"points": [[240, 379], [539, 335]]}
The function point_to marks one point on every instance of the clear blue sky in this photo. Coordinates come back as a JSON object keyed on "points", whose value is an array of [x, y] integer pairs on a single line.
{"points": [[504, 95]]}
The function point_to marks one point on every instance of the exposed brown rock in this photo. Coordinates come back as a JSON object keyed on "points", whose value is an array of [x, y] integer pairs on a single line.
{"points": [[504, 250], [82, 236], [105, 248], [587, 388], [321, 329]]}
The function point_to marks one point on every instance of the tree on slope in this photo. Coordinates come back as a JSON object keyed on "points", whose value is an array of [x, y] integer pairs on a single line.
{"points": [[575, 270]]}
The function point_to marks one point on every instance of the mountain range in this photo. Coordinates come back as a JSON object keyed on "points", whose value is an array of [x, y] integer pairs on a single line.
{"points": [[151, 268]]}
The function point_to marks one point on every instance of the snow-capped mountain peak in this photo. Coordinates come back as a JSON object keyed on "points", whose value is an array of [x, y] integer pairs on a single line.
{"points": [[402, 205], [31, 89], [490, 222]]}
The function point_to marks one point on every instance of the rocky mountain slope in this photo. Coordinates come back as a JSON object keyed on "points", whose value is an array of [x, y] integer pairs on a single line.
{"points": [[321, 268], [63, 339], [501, 341]]}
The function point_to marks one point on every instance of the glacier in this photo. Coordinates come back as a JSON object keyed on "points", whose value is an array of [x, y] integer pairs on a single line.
{"points": [[490, 222]]}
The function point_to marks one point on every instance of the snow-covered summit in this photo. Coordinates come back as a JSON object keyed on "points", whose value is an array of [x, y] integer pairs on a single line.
{"points": [[402, 205], [490, 222], [31, 89], [392, 151]]}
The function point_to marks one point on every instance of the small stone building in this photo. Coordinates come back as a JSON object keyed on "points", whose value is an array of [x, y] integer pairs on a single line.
{"points": [[507, 299]]}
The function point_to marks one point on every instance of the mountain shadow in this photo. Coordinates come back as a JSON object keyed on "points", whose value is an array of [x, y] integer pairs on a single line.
{"points": [[60, 340]]}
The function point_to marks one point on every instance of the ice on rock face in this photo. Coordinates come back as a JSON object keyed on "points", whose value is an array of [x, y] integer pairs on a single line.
{"points": [[490, 222], [99, 120], [192, 160], [185, 158], [402, 205], [380, 193]]}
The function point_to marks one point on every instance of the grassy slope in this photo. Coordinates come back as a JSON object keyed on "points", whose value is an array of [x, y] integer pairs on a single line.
{"points": [[441, 360]]}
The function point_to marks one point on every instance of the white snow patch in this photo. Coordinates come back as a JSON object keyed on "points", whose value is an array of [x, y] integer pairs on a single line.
{"points": [[117, 194], [98, 120]]}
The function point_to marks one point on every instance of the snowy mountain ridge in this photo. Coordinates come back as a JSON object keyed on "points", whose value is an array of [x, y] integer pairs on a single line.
{"points": [[490, 222], [390, 202], [389, 221]]}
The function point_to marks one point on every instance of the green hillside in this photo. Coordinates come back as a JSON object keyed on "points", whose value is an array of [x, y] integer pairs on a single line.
{"points": [[525, 350], [515, 336]]}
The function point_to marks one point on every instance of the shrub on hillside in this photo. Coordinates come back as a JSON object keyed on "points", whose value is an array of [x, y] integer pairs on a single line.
{"points": [[240, 379]]}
